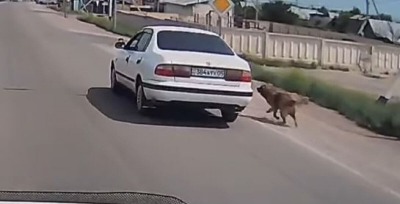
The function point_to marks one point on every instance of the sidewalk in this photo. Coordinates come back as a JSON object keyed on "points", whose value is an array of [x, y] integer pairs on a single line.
{"points": [[70, 23]]}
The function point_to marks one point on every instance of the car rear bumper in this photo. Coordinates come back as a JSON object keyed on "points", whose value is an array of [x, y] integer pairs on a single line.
{"points": [[192, 96]]}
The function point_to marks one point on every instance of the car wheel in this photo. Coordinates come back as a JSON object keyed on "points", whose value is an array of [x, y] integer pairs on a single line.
{"points": [[116, 87], [141, 100], [229, 115]]}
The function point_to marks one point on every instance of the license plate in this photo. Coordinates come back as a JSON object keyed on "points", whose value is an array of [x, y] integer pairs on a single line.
{"points": [[212, 73]]}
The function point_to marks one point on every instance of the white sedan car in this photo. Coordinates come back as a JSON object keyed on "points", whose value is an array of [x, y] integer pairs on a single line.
{"points": [[168, 64]]}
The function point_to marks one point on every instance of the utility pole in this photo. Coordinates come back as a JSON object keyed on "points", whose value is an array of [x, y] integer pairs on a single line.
{"points": [[257, 12], [114, 16], [245, 9], [110, 9], [376, 9], [367, 7], [383, 99], [65, 8]]}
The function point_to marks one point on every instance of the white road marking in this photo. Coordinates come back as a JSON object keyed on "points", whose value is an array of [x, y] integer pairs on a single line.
{"points": [[331, 159]]}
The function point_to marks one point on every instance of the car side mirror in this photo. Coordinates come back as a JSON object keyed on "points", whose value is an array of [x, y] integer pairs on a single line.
{"points": [[120, 43]]}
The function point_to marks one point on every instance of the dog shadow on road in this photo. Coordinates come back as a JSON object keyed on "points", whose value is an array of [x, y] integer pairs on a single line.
{"points": [[46, 12], [266, 120], [122, 108]]}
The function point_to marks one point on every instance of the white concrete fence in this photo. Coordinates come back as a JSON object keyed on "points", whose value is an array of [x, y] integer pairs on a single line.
{"points": [[323, 52]]}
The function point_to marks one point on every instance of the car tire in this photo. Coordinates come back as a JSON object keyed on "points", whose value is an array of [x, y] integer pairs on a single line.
{"points": [[229, 115], [140, 99], [116, 87]]}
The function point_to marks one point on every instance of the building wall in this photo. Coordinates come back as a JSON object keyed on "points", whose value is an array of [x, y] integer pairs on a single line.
{"points": [[180, 10], [323, 52], [138, 21], [202, 9]]}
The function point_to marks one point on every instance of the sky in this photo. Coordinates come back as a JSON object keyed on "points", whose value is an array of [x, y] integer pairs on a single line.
{"points": [[391, 7]]}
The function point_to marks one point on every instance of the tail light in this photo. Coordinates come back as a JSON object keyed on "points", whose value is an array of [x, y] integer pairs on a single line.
{"points": [[237, 75], [246, 76], [173, 71], [164, 70]]}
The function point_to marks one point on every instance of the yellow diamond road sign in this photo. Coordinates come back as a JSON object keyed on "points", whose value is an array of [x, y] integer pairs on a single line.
{"points": [[221, 6]]}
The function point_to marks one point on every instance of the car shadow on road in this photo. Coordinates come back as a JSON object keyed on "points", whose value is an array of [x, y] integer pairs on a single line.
{"points": [[382, 137], [265, 120], [121, 108], [46, 12]]}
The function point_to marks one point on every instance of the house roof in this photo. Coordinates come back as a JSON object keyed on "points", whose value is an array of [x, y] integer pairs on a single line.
{"points": [[359, 17], [184, 2], [386, 29], [305, 13], [302, 12]]}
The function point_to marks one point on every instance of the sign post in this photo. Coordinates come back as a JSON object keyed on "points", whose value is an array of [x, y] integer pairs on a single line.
{"points": [[110, 7], [221, 7], [65, 8]]}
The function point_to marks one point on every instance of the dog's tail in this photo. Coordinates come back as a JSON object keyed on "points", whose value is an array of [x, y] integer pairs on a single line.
{"points": [[303, 100]]}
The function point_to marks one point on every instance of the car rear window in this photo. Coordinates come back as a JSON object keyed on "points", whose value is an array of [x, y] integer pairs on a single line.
{"points": [[193, 42]]}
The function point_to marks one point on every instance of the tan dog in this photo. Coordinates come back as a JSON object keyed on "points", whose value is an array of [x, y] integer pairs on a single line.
{"points": [[281, 100]]}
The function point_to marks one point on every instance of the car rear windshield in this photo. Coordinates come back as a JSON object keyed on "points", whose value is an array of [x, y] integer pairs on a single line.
{"points": [[193, 42]]}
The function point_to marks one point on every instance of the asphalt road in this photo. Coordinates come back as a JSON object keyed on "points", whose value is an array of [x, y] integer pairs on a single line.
{"points": [[61, 128]]}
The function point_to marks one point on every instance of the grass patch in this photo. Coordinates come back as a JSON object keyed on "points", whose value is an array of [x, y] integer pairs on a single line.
{"points": [[354, 105], [105, 23], [279, 63]]}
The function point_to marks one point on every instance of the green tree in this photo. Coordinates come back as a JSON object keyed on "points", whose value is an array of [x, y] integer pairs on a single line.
{"points": [[340, 23], [249, 12], [238, 9], [324, 11], [355, 11], [278, 11], [382, 16]]}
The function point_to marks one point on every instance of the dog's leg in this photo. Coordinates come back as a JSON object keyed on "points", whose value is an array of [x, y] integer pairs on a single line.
{"points": [[283, 116], [293, 114], [275, 114]]}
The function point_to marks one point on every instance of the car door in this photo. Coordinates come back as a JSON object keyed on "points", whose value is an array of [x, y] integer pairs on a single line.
{"points": [[123, 59], [137, 57]]}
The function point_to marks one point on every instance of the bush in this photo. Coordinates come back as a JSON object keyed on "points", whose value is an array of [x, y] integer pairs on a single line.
{"points": [[354, 105], [106, 24]]}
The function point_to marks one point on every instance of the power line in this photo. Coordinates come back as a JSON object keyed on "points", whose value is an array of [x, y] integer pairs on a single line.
{"points": [[389, 1]]}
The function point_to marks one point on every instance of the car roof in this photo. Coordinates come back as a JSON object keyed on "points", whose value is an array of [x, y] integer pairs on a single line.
{"points": [[179, 28]]}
